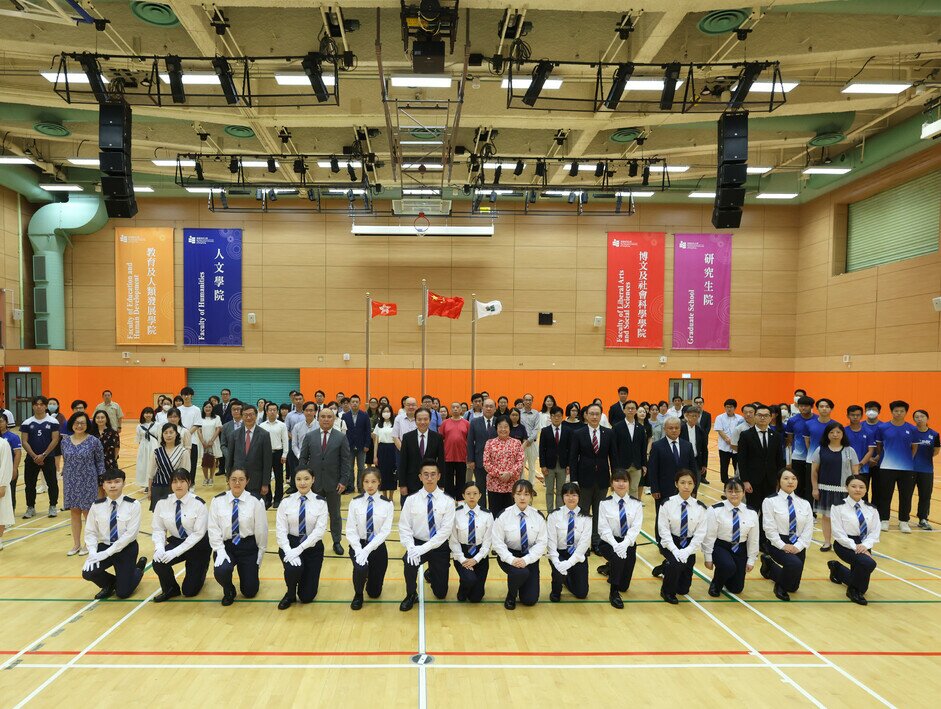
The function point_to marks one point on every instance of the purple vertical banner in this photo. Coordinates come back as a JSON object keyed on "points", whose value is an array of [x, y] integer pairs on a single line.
{"points": [[702, 281]]}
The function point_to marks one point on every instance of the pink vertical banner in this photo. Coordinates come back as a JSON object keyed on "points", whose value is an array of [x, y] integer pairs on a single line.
{"points": [[702, 281]]}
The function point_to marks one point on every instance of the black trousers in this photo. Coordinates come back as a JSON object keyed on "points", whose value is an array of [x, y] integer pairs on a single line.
{"points": [[589, 498], [888, 480], [658, 503], [575, 579], [303, 581], [677, 577], [861, 567], [726, 458], [730, 566], [472, 581], [437, 560], [126, 576], [196, 559], [620, 571], [48, 470], [454, 476], [499, 501], [373, 574], [277, 469], [194, 463], [333, 508], [244, 558], [291, 467], [925, 483], [522, 582], [787, 569], [805, 488]]}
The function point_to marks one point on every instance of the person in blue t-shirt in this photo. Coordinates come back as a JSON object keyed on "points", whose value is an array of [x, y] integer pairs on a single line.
{"points": [[861, 441], [42, 437], [16, 448], [927, 445], [814, 427], [871, 425], [896, 440], [794, 428]]}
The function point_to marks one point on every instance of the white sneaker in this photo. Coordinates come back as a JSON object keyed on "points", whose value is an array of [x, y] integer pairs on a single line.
{"points": [[30, 512], [885, 525], [53, 512], [905, 528]]}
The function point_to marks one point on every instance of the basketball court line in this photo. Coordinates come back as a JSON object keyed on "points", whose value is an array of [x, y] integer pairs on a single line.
{"points": [[422, 671], [15, 540]]}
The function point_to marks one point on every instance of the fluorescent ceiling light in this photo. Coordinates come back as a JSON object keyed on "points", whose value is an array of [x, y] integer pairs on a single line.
{"points": [[823, 170], [757, 170], [931, 129], [863, 88], [560, 193], [702, 195], [143, 188], [61, 188], [194, 79], [73, 77], [777, 195], [551, 84], [417, 191], [415, 81], [421, 142], [203, 190], [286, 190], [766, 87], [504, 165], [398, 230], [301, 79], [16, 160], [259, 163], [84, 162], [173, 163], [341, 163], [582, 166], [642, 84], [643, 193], [416, 165], [336, 190], [486, 191], [669, 168]]}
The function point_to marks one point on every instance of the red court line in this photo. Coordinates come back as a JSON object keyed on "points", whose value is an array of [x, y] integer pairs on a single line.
{"points": [[451, 653]]}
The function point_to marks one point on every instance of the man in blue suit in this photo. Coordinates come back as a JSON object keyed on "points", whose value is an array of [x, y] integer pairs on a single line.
{"points": [[667, 456], [359, 435], [481, 430]]}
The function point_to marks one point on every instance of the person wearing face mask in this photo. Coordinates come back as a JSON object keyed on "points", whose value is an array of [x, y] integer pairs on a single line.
{"points": [[164, 404], [871, 423], [795, 407], [384, 456], [731, 543], [53, 411]]}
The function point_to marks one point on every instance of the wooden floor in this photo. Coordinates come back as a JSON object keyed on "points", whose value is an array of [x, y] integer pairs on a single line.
{"points": [[57, 645]]}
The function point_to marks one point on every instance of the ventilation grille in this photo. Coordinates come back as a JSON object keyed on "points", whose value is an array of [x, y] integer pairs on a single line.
{"points": [[436, 207]]}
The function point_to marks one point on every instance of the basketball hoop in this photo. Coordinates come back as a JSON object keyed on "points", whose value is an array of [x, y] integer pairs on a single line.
{"points": [[421, 224]]}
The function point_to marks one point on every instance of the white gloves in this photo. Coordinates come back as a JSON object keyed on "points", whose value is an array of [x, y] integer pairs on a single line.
{"points": [[563, 568], [160, 556], [91, 563], [261, 556], [362, 556], [620, 548], [682, 555], [222, 558], [414, 556], [293, 557]]}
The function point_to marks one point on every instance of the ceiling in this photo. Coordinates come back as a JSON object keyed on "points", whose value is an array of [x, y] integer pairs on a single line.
{"points": [[821, 45]]}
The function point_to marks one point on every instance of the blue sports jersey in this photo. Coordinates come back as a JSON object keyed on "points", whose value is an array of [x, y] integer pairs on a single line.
{"points": [[896, 445], [795, 426], [39, 433], [860, 441], [14, 441], [924, 455], [813, 429]]}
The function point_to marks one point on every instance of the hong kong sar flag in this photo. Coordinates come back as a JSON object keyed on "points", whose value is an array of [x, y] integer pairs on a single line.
{"points": [[384, 309], [445, 307]]}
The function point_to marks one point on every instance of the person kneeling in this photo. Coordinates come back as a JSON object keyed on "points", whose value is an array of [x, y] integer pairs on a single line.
{"points": [[620, 517], [731, 543], [300, 525], [682, 528], [470, 545], [569, 531], [368, 524], [855, 532], [111, 530], [180, 523], [520, 538]]}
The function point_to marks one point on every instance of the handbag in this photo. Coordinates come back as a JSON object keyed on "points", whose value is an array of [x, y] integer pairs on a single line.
{"points": [[208, 459]]}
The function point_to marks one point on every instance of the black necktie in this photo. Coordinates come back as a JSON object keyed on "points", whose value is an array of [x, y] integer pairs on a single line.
{"points": [[764, 441]]}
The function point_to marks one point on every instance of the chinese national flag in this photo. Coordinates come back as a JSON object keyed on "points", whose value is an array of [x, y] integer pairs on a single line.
{"points": [[384, 309], [445, 307]]}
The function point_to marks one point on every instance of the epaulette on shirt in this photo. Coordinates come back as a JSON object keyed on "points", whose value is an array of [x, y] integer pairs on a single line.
{"points": [[200, 499], [702, 504], [773, 494], [255, 495], [362, 494], [100, 499], [634, 498], [556, 509], [384, 498], [539, 512], [483, 509], [719, 504], [221, 494], [129, 499], [609, 497], [320, 497], [459, 507]]}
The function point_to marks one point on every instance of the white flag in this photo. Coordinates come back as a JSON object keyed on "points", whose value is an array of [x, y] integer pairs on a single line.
{"points": [[485, 310]]}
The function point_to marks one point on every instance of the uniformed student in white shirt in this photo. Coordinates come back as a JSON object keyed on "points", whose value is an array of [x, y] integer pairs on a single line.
{"points": [[855, 532], [620, 517], [470, 545], [788, 522], [569, 536], [238, 535], [425, 526], [111, 531], [682, 526], [299, 526], [180, 522], [731, 543], [520, 538], [368, 525]]}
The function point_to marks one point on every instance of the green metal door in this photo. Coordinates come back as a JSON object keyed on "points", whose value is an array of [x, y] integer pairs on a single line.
{"points": [[247, 385]]}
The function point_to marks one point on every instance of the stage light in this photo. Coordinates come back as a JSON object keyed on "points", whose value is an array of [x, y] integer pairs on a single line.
{"points": [[573, 170], [540, 74], [540, 168], [225, 199], [751, 72], [599, 169], [518, 170], [351, 171], [93, 74], [493, 197], [311, 194], [221, 65], [496, 174], [532, 197], [583, 197], [272, 165], [632, 168], [617, 203], [621, 76], [175, 75], [671, 75], [273, 195], [334, 165], [199, 170], [646, 176], [299, 167], [314, 71], [234, 165]]}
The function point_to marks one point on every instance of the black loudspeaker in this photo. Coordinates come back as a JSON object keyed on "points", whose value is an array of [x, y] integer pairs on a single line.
{"points": [[117, 187], [114, 126], [545, 318], [733, 137], [729, 197], [114, 157], [121, 208], [732, 174], [114, 162], [726, 218], [732, 171]]}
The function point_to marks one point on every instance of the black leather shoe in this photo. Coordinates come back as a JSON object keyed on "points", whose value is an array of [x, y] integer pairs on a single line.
{"points": [[615, 600], [765, 566], [555, 597], [104, 593], [142, 563], [357, 603], [834, 566], [408, 602], [286, 602], [825, 548], [856, 597], [704, 481], [228, 596], [338, 548], [657, 570], [780, 593], [167, 595], [461, 596], [603, 569], [427, 576], [714, 590], [672, 600], [510, 603]]}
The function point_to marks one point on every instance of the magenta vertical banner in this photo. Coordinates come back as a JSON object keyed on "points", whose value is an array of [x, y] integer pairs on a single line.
{"points": [[702, 281]]}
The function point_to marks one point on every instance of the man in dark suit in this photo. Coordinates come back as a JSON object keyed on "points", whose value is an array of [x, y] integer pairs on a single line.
{"points": [[481, 430], [418, 446], [592, 455], [554, 443], [631, 440], [616, 412], [359, 435], [692, 432], [224, 409], [325, 452], [667, 456], [760, 459], [705, 418], [249, 449]]}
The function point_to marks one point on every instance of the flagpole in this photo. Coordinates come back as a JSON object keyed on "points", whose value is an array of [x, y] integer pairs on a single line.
{"points": [[424, 322], [368, 320], [473, 342]]}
